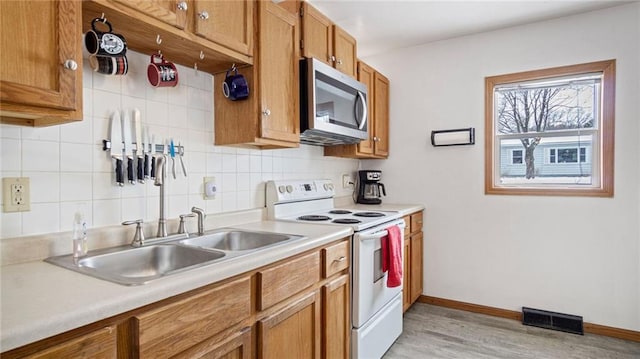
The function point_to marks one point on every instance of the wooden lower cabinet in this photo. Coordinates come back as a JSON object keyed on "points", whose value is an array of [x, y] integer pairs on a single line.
{"points": [[297, 307], [413, 260], [336, 318], [97, 344], [293, 332]]}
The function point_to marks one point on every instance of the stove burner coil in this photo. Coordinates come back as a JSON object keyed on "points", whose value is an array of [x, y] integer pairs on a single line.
{"points": [[339, 211], [369, 214], [346, 221], [313, 217]]}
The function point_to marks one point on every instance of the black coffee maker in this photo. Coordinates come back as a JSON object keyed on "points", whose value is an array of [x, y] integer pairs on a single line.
{"points": [[370, 190]]}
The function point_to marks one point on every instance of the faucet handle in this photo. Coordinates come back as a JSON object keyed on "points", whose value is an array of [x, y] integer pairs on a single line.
{"points": [[201, 215], [138, 238], [182, 228]]}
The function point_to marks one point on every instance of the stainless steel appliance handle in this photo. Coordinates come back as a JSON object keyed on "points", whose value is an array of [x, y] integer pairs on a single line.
{"points": [[362, 119], [376, 235]]}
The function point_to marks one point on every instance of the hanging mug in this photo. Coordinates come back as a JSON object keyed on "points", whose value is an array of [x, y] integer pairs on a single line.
{"points": [[107, 43], [235, 86], [163, 73], [109, 65]]}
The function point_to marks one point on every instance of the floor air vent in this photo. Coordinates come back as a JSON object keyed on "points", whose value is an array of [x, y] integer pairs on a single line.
{"points": [[551, 320]]}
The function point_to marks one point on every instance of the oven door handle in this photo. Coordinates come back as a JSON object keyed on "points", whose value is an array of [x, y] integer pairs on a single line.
{"points": [[377, 235]]}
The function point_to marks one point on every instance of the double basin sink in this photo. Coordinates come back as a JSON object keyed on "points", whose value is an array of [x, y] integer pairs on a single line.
{"points": [[134, 266]]}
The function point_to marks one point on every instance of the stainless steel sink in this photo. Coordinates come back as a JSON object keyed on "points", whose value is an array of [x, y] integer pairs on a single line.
{"points": [[238, 240], [134, 266]]}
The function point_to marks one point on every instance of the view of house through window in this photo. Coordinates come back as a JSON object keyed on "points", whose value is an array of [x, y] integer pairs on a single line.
{"points": [[547, 129]]}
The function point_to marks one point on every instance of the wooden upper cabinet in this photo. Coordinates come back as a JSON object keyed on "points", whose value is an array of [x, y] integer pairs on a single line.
{"points": [[325, 41], [317, 35], [381, 113], [41, 57], [229, 23], [278, 69], [366, 75], [344, 49], [172, 12]]}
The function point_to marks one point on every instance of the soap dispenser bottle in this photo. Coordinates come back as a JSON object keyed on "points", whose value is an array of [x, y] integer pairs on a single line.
{"points": [[79, 236]]}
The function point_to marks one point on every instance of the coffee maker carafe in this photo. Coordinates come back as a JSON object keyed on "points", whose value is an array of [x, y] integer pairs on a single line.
{"points": [[370, 190]]}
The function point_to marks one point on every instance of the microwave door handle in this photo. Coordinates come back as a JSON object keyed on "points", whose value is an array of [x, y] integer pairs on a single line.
{"points": [[362, 119], [376, 235]]}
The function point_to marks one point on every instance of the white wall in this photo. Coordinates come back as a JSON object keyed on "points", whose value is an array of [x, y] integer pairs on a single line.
{"points": [[69, 171], [572, 255]]}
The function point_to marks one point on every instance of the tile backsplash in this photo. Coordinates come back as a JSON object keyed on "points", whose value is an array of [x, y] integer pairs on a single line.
{"points": [[69, 171]]}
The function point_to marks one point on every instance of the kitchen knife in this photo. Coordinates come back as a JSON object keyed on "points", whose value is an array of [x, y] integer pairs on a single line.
{"points": [[116, 146], [128, 150], [153, 156], [172, 151], [137, 128], [146, 150]]}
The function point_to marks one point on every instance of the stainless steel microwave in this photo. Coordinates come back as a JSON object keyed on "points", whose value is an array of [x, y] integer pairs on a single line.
{"points": [[333, 105]]}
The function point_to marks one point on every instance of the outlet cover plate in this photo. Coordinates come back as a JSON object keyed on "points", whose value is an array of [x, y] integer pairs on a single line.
{"points": [[210, 188], [16, 194]]}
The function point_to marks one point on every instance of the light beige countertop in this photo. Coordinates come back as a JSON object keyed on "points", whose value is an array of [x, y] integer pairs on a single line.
{"points": [[39, 300]]}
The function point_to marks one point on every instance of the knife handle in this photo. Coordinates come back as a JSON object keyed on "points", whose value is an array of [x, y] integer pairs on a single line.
{"points": [[153, 167], [119, 179], [140, 169], [146, 165], [130, 170]]}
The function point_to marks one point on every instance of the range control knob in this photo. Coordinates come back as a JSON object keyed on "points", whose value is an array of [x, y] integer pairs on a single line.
{"points": [[289, 188], [330, 187], [281, 189], [326, 187]]}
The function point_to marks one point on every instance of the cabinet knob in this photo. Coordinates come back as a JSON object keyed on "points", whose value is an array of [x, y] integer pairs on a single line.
{"points": [[339, 62], [332, 58], [266, 112], [182, 6], [203, 15], [71, 65], [376, 139]]}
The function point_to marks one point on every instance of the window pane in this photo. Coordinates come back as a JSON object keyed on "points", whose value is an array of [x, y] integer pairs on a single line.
{"points": [[562, 166], [545, 107], [516, 156]]}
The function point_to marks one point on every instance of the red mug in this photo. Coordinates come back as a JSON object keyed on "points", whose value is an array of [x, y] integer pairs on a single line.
{"points": [[163, 73]]}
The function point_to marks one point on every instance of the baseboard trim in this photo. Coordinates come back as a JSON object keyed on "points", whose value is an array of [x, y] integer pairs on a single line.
{"points": [[591, 328]]}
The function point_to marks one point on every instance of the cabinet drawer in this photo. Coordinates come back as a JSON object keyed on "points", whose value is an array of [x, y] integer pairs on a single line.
{"points": [[407, 225], [335, 258], [168, 330], [98, 344], [286, 279], [416, 222]]}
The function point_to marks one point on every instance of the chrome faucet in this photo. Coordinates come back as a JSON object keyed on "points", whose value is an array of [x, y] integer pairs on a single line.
{"points": [[161, 173], [201, 215]]}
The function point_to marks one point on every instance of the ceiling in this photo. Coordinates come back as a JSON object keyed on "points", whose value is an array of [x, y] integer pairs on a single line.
{"points": [[384, 25]]}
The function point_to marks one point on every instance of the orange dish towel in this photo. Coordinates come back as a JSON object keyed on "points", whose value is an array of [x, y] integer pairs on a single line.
{"points": [[391, 248]]}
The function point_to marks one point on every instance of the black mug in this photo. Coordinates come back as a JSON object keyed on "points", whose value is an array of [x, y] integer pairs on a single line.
{"points": [[105, 43], [235, 86], [109, 65]]}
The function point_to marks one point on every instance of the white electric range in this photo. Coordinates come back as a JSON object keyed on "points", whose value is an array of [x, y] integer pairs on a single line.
{"points": [[376, 309]]}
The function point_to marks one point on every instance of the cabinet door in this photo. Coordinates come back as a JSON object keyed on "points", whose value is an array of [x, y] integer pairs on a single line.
{"points": [[317, 34], [278, 71], [172, 12], [381, 130], [344, 46], [229, 23], [235, 346], [293, 332], [336, 326], [416, 266], [406, 275], [366, 76], [36, 40], [97, 344]]}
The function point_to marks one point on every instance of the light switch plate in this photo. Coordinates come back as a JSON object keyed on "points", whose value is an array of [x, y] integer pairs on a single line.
{"points": [[16, 194]]}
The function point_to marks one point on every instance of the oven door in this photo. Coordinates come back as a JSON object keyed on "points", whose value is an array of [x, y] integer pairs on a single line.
{"points": [[370, 291]]}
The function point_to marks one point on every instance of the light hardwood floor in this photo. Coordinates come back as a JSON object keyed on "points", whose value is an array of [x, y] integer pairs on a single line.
{"points": [[437, 332]]}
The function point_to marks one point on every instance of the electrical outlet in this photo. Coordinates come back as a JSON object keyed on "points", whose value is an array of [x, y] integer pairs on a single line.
{"points": [[16, 194], [347, 181], [210, 188]]}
